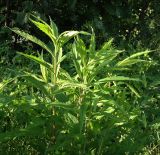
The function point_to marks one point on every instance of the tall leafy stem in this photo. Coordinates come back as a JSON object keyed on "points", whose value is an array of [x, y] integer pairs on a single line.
{"points": [[96, 91], [57, 40]]}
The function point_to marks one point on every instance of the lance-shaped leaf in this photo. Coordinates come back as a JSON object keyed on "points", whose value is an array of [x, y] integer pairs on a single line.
{"points": [[116, 78], [130, 60], [67, 35], [62, 105], [71, 84], [44, 27], [92, 45], [133, 90], [76, 61], [54, 28], [107, 44], [32, 38], [38, 60], [81, 50]]}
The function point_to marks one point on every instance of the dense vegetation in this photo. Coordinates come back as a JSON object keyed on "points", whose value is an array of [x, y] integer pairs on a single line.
{"points": [[92, 90]]}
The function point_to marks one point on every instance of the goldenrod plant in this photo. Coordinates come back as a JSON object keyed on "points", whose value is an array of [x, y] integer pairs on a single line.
{"points": [[86, 111]]}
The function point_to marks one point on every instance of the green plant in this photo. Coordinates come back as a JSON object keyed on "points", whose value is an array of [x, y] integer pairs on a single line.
{"points": [[90, 111]]}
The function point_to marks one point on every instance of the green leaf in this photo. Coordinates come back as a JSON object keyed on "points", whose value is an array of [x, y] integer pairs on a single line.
{"points": [[109, 110], [119, 123], [44, 28], [71, 119], [129, 62], [71, 84], [106, 56], [53, 28], [62, 105], [38, 60], [92, 46], [107, 45], [81, 49], [117, 78], [75, 61], [65, 75], [67, 35], [33, 39], [130, 59], [133, 90], [139, 54]]}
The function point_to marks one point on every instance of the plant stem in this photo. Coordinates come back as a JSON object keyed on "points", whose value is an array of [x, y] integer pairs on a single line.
{"points": [[55, 64]]}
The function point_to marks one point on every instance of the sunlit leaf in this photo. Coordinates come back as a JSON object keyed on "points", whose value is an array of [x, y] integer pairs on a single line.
{"points": [[33, 39], [44, 28], [54, 28], [38, 60], [117, 78]]}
